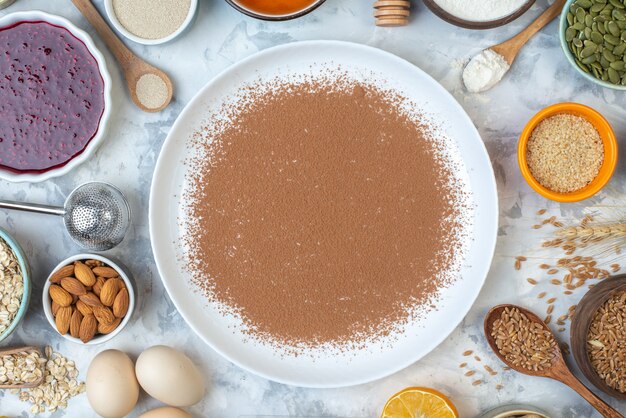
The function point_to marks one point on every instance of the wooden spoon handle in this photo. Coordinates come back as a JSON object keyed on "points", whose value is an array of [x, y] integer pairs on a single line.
{"points": [[510, 48], [123, 54], [602, 407]]}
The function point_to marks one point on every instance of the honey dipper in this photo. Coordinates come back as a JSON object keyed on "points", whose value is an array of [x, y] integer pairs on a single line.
{"points": [[392, 12]]}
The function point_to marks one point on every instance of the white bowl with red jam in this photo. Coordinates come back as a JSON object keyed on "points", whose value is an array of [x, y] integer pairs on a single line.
{"points": [[55, 96]]}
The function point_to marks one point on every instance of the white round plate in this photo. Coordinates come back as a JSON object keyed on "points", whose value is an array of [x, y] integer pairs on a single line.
{"points": [[331, 369], [92, 146]]}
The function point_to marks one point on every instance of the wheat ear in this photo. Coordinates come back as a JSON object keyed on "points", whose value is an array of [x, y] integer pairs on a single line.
{"points": [[594, 233]]}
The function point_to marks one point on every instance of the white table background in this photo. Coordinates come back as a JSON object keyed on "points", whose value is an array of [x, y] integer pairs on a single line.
{"points": [[220, 36]]}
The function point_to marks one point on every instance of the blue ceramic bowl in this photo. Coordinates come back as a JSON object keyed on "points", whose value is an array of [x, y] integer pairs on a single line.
{"points": [[21, 257], [570, 57]]}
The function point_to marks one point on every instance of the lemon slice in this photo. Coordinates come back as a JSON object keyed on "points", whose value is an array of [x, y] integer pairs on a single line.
{"points": [[419, 403]]}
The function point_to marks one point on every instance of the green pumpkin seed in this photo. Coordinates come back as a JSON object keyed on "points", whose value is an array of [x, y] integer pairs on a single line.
{"points": [[582, 66], [620, 49], [570, 18], [596, 73], [609, 56], [596, 8], [589, 60], [570, 33], [613, 28], [604, 62], [613, 40], [595, 36], [588, 51]]}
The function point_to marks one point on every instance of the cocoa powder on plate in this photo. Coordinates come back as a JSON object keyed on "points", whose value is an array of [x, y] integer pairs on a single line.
{"points": [[320, 212]]}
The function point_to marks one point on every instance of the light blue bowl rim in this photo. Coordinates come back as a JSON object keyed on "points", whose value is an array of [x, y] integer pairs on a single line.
{"points": [[568, 54], [21, 258]]}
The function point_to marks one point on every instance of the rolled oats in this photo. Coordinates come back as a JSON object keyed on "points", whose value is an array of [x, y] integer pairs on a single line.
{"points": [[21, 368], [60, 384], [11, 285]]}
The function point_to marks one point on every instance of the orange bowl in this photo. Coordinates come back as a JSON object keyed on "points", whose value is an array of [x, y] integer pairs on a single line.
{"points": [[608, 140]]}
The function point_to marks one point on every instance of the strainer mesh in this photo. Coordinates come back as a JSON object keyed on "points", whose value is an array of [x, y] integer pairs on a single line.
{"points": [[97, 216]]}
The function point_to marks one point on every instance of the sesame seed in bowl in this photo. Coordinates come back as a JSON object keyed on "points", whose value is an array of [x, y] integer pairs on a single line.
{"points": [[567, 152]]}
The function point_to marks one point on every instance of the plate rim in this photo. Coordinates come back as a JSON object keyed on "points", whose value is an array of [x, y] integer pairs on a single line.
{"points": [[197, 98]]}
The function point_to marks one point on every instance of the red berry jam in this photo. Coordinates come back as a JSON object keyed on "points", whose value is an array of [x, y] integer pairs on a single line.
{"points": [[51, 97]]}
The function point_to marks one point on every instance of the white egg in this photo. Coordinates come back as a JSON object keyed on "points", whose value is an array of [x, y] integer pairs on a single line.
{"points": [[112, 388], [166, 412], [169, 376]]}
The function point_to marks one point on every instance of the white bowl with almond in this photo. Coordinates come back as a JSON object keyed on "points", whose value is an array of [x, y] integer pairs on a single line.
{"points": [[88, 299]]}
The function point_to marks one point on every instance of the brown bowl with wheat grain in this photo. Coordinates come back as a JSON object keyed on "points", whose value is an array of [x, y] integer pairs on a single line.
{"points": [[598, 336]]}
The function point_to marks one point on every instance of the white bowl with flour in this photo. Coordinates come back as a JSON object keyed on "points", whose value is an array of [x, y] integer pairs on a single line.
{"points": [[151, 22], [479, 14]]}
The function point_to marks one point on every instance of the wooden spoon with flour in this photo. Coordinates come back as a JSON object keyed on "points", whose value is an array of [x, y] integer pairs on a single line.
{"points": [[486, 69], [150, 88]]}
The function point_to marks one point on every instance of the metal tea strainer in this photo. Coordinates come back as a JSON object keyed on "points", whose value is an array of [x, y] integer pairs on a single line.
{"points": [[96, 215]]}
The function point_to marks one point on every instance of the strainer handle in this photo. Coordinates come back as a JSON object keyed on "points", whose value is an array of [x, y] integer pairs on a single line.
{"points": [[32, 207]]}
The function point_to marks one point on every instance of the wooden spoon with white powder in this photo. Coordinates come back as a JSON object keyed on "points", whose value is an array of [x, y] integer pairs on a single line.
{"points": [[150, 88], [486, 69]]}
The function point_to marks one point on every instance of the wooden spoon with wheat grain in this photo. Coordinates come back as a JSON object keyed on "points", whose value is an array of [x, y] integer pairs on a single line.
{"points": [[508, 327]]}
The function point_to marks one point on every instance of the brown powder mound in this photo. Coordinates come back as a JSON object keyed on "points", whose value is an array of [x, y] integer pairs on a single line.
{"points": [[321, 213]]}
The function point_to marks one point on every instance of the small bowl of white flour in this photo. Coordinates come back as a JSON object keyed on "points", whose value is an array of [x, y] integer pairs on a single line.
{"points": [[479, 14]]}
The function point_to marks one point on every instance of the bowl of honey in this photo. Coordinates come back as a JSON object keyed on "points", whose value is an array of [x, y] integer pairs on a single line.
{"points": [[275, 9]]}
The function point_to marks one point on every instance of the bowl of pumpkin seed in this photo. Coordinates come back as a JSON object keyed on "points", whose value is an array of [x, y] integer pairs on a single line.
{"points": [[593, 37]]}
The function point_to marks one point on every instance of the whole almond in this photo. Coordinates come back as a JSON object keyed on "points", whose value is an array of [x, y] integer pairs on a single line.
{"points": [[63, 318], [109, 292], [88, 328], [66, 271], [107, 329], [73, 286], [60, 295], [84, 274], [103, 315], [94, 263], [120, 305], [90, 299], [54, 307], [75, 322], [106, 272], [97, 287], [84, 308]]}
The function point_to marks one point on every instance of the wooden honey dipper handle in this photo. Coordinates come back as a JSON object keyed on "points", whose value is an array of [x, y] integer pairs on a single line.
{"points": [[392, 12]]}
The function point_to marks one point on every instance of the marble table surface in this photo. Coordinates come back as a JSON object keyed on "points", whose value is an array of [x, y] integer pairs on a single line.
{"points": [[219, 37]]}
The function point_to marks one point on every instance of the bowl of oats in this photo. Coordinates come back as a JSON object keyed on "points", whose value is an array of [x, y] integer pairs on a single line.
{"points": [[14, 284]]}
